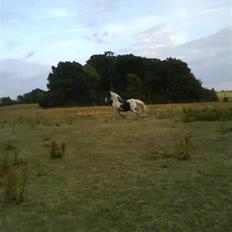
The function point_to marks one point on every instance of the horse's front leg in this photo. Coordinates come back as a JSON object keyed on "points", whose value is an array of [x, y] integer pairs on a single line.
{"points": [[116, 113], [121, 115]]}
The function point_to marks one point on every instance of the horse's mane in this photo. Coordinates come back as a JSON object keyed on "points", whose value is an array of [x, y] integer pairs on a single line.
{"points": [[111, 92], [115, 95]]}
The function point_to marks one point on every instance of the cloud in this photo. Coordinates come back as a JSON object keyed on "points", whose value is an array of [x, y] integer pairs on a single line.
{"points": [[11, 17], [158, 36], [209, 57], [74, 30], [57, 13], [99, 37], [30, 54], [101, 6], [18, 77]]}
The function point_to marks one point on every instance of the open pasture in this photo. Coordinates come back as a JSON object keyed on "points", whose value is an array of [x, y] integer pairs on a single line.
{"points": [[169, 170]]}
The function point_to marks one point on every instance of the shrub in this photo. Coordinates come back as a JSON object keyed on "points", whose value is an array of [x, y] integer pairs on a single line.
{"points": [[63, 146], [57, 150], [225, 99], [9, 145], [183, 149], [222, 130], [15, 178]]}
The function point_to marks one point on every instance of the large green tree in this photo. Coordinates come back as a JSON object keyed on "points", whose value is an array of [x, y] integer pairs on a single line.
{"points": [[152, 80], [105, 66], [4, 101], [134, 86], [70, 83], [31, 97]]}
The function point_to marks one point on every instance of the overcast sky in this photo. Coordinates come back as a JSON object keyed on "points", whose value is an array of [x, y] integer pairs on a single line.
{"points": [[34, 35]]}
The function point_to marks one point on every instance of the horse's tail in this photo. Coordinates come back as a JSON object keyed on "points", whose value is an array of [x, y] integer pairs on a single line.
{"points": [[141, 104]]}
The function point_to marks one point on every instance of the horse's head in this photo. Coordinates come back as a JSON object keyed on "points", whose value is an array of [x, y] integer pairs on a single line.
{"points": [[115, 96], [111, 97]]}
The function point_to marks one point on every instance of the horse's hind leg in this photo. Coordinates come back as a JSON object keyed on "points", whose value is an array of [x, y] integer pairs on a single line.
{"points": [[136, 112]]}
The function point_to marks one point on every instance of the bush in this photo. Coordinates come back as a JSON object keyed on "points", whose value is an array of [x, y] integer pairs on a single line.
{"points": [[9, 145], [57, 150], [225, 99], [15, 178], [183, 149]]}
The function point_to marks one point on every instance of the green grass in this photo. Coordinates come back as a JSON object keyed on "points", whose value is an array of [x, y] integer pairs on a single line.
{"points": [[207, 114], [116, 175]]}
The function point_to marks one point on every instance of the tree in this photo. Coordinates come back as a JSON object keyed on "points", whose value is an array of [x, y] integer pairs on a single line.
{"points": [[91, 84], [64, 83], [209, 94], [70, 83], [31, 97], [134, 86], [4, 101], [105, 66], [178, 83], [153, 80]]}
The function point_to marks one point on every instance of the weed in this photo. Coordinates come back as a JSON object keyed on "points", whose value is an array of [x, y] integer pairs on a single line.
{"points": [[222, 130], [225, 99], [9, 145], [15, 175], [62, 147], [164, 166], [57, 124], [57, 150], [183, 148]]}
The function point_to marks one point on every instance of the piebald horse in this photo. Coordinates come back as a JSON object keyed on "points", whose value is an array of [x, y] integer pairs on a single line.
{"points": [[123, 105]]}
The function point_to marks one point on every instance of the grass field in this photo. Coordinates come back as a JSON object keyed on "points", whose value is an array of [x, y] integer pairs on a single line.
{"points": [[120, 175]]}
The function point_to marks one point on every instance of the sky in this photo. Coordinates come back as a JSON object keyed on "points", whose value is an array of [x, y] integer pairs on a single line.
{"points": [[35, 35]]}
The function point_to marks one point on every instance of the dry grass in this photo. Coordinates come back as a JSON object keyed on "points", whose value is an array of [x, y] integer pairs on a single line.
{"points": [[120, 175], [224, 96]]}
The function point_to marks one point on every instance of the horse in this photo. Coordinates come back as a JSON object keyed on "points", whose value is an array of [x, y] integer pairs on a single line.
{"points": [[123, 105]]}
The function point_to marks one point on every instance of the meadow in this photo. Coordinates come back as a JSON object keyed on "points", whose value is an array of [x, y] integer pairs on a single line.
{"points": [[168, 170]]}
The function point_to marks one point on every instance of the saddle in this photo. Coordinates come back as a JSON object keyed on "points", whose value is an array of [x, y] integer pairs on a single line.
{"points": [[124, 105]]}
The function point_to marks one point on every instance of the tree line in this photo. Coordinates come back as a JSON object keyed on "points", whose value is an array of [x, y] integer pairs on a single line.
{"points": [[152, 80]]}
